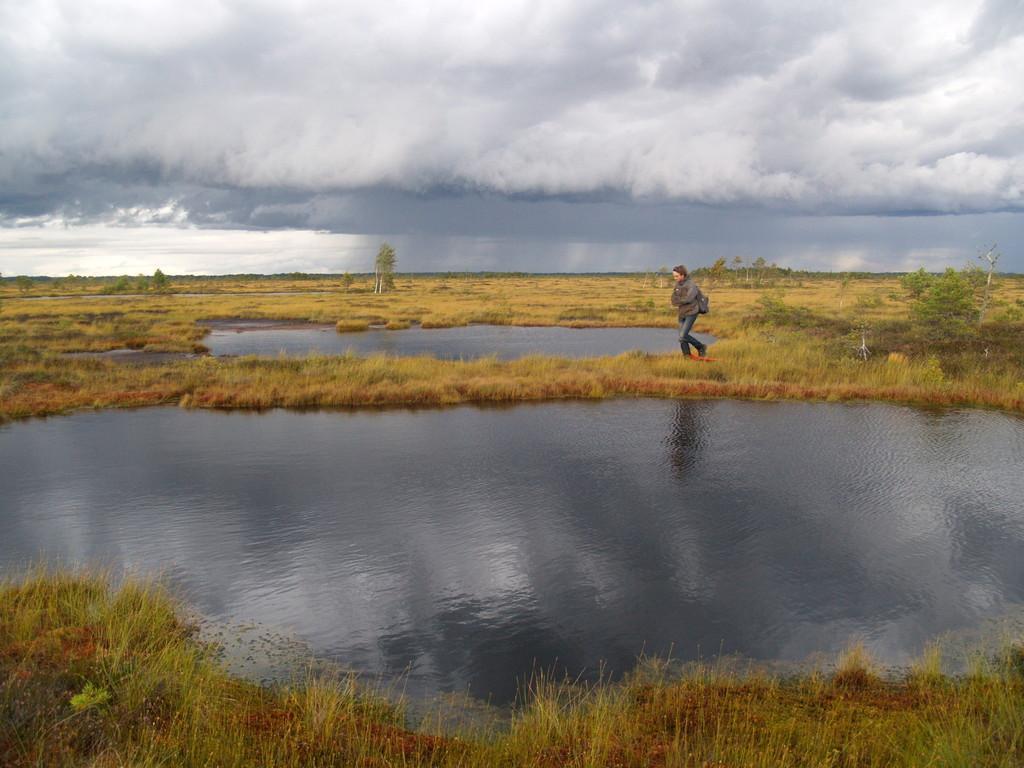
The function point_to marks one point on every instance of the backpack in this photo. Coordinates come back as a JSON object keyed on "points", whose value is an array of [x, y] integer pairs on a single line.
{"points": [[703, 305]]}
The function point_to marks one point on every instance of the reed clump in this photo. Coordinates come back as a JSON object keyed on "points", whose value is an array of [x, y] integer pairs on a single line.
{"points": [[98, 673]]}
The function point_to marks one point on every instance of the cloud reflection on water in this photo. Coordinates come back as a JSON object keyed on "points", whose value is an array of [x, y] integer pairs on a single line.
{"points": [[474, 545]]}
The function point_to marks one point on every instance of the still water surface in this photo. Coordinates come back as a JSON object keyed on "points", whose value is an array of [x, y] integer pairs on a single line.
{"points": [[472, 545], [505, 342]]}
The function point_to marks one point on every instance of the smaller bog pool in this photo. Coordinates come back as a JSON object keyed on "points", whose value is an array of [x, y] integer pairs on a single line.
{"points": [[467, 342]]}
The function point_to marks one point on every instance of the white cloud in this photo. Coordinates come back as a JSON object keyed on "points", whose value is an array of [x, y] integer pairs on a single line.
{"points": [[849, 106], [100, 249]]}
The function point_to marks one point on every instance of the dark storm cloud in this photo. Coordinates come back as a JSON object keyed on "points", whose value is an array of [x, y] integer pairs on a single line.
{"points": [[684, 101], [399, 117], [433, 233]]}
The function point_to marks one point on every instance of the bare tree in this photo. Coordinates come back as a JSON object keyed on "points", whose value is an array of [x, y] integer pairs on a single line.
{"points": [[991, 256], [862, 351], [662, 276]]}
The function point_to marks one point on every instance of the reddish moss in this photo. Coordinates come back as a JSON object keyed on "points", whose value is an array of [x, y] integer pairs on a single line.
{"points": [[55, 648]]}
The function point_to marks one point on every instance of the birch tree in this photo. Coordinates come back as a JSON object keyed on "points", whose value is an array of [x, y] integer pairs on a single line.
{"points": [[384, 269]]}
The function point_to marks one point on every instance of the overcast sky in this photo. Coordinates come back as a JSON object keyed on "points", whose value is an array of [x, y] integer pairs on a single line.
{"points": [[581, 135]]}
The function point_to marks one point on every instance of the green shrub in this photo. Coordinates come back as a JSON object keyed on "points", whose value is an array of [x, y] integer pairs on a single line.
{"points": [[91, 697], [160, 281], [948, 303], [772, 309], [869, 301], [916, 283]]}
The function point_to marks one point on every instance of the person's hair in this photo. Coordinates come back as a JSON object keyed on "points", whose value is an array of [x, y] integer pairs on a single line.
{"points": [[682, 270]]}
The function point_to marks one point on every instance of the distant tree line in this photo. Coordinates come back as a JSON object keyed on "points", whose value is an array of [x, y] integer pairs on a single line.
{"points": [[755, 273], [159, 282]]}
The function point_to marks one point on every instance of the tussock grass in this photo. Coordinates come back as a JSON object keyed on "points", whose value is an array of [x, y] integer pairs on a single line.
{"points": [[350, 326], [102, 674], [441, 321]]}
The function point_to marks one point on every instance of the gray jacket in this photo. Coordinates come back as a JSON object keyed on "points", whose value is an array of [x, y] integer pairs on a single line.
{"points": [[684, 296]]}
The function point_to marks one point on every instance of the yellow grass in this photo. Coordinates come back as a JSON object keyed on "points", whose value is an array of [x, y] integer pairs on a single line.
{"points": [[754, 359], [97, 674]]}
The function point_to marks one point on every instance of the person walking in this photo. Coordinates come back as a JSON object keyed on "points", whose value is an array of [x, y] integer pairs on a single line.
{"points": [[685, 297]]}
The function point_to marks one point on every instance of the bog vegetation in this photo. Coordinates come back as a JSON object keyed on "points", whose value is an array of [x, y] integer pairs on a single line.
{"points": [[101, 675], [950, 338]]}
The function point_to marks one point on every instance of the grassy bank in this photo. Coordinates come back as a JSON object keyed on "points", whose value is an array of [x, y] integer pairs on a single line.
{"points": [[95, 675], [48, 385], [790, 339]]}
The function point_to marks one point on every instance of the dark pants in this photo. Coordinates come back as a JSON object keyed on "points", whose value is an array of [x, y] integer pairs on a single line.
{"points": [[686, 338]]}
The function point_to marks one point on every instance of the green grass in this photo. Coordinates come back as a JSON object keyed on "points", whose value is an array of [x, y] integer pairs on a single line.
{"points": [[97, 674]]}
